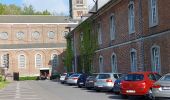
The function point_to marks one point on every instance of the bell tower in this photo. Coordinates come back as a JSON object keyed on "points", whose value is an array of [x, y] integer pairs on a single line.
{"points": [[78, 8]]}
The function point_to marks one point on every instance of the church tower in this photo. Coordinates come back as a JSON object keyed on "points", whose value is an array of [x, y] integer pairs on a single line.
{"points": [[78, 8]]}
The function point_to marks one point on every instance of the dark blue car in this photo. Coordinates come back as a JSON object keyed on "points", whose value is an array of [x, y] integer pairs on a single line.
{"points": [[81, 80], [116, 88]]}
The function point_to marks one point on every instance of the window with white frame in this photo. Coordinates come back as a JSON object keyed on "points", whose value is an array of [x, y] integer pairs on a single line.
{"points": [[22, 61], [153, 16], [133, 59], [155, 54], [54, 58], [101, 64], [99, 33], [114, 63], [112, 27], [3, 60], [131, 17], [38, 61]]}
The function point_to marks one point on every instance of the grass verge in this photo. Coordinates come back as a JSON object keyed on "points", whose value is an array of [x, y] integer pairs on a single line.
{"points": [[3, 84]]}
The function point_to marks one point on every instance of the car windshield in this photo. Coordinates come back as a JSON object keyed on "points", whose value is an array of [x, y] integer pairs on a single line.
{"points": [[134, 77], [75, 75], [165, 78], [63, 74], [103, 76], [122, 77], [94, 75], [69, 74]]}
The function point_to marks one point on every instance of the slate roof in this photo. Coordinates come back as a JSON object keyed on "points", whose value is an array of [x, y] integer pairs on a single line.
{"points": [[33, 19]]}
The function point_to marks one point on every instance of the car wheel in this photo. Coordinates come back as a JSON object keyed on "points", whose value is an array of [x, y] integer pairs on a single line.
{"points": [[150, 95], [88, 88], [97, 90], [80, 86], [124, 96]]}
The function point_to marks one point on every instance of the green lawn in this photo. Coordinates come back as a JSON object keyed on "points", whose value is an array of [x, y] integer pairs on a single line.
{"points": [[3, 84]]}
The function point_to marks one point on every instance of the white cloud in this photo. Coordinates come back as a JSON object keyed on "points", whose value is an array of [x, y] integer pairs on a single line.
{"points": [[57, 6]]}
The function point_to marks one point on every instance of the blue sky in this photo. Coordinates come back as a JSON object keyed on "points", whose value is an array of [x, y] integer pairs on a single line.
{"points": [[54, 6]]}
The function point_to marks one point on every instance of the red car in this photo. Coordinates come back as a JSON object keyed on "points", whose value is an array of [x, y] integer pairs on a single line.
{"points": [[139, 84]]}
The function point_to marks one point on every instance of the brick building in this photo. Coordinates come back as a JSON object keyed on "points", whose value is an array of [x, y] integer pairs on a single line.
{"points": [[30, 44], [133, 35]]}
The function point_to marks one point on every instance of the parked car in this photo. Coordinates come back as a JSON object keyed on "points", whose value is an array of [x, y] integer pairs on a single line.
{"points": [[62, 78], [89, 84], [138, 83], [105, 81], [82, 79], [72, 80], [161, 88], [116, 87], [66, 77]]}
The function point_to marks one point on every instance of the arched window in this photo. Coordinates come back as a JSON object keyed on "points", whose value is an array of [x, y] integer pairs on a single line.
{"points": [[133, 60], [99, 27], [131, 18], [38, 61], [153, 15], [101, 64], [3, 60], [112, 27], [54, 58], [22, 61], [155, 56], [114, 63]]}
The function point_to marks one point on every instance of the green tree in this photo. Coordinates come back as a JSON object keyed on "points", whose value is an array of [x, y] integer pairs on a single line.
{"points": [[69, 54], [87, 47], [2, 9], [28, 10], [12, 10], [46, 12]]}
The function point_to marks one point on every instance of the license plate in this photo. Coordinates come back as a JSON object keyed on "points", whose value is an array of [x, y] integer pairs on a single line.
{"points": [[91, 81], [130, 91], [166, 88], [81, 83], [100, 86]]}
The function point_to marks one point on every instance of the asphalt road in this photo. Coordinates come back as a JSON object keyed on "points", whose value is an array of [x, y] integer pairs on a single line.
{"points": [[50, 90]]}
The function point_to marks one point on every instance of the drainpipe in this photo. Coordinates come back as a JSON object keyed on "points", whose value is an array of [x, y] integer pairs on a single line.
{"points": [[75, 53], [141, 46]]}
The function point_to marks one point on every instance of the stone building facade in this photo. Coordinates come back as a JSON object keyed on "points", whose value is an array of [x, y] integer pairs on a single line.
{"points": [[133, 35], [78, 8], [31, 44]]}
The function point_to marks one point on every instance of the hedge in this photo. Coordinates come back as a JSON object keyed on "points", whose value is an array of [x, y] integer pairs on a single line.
{"points": [[28, 78]]}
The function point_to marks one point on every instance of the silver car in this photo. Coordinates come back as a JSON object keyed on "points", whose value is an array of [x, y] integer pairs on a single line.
{"points": [[62, 78], [72, 80], [105, 81], [161, 88]]}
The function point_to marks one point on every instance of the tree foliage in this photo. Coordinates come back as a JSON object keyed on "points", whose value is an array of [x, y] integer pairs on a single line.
{"points": [[87, 47], [13, 9], [69, 55]]}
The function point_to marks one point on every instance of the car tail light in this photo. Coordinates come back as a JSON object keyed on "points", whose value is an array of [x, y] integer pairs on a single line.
{"points": [[143, 85], [108, 80], [75, 78], [156, 86]]}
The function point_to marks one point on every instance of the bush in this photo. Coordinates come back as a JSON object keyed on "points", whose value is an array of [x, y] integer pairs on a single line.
{"points": [[55, 76], [1, 78], [28, 78]]}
